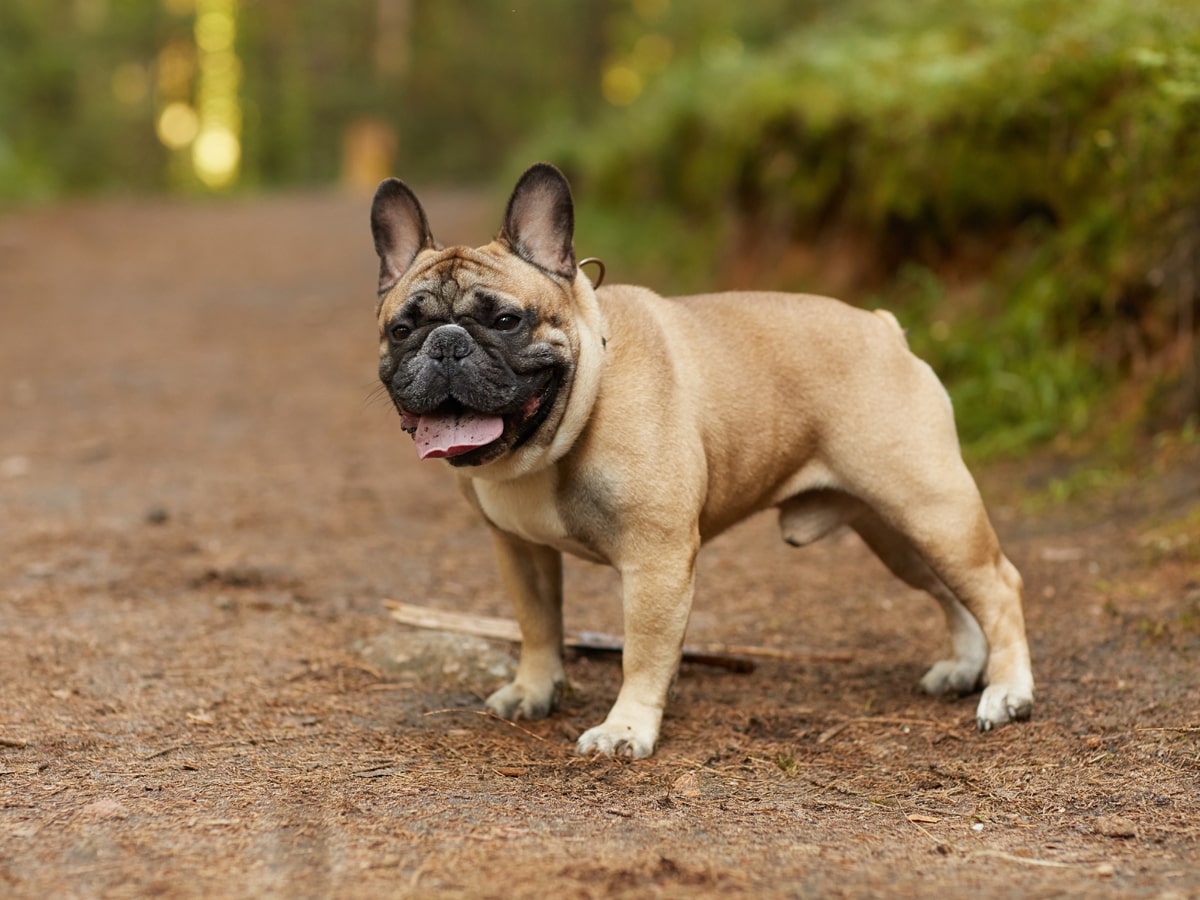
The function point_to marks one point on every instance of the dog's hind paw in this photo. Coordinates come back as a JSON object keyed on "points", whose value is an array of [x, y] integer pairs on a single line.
{"points": [[1003, 703], [520, 701], [952, 676]]}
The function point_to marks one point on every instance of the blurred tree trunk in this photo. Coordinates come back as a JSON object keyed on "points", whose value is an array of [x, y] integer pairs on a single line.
{"points": [[393, 20]]}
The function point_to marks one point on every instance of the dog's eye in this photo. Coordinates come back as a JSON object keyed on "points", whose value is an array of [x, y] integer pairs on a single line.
{"points": [[399, 332], [506, 322]]}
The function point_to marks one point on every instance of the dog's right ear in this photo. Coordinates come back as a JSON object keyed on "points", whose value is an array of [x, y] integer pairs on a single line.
{"points": [[539, 223], [400, 229]]}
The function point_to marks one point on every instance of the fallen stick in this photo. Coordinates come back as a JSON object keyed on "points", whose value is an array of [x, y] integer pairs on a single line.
{"points": [[724, 656]]}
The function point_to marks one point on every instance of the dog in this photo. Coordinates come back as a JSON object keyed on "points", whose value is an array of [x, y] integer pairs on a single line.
{"points": [[627, 429]]}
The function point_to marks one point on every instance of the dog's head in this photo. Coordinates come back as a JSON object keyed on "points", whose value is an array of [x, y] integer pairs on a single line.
{"points": [[481, 348]]}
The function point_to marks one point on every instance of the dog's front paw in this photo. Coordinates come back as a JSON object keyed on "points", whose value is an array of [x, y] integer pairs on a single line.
{"points": [[1002, 703], [952, 676], [623, 733], [523, 701], [616, 741]]}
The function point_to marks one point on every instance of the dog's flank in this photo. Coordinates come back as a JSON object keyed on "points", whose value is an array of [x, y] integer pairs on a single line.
{"points": [[627, 428]]}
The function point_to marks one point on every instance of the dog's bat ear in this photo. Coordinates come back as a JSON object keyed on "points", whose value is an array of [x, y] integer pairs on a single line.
{"points": [[539, 223], [400, 229]]}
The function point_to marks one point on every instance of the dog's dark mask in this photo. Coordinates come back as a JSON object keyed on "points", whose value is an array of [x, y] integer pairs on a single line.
{"points": [[467, 363]]}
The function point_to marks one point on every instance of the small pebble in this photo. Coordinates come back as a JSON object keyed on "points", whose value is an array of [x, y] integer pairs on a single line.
{"points": [[1116, 827], [15, 466], [686, 785], [106, 808]]}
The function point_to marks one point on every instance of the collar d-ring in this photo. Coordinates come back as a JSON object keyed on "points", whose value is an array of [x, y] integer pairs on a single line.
{"points": [[599, 280]]}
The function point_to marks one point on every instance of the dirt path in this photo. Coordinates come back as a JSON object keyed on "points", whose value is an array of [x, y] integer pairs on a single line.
{"points": [[202, 509]]}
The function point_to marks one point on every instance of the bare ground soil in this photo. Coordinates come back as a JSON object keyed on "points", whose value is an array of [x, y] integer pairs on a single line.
{"points": [[202, 510]]}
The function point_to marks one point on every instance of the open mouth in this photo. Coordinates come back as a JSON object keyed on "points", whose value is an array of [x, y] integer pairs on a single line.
{"points": [[469, 437]]}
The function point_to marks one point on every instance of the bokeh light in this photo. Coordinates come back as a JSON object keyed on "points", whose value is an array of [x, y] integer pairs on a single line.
{"points": [[217, 152], [207, 128], [177, 125], [621, 84]]}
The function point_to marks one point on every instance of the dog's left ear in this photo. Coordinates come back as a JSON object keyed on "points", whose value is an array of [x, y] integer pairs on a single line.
{"points": [[400, 229], [539, 222]]}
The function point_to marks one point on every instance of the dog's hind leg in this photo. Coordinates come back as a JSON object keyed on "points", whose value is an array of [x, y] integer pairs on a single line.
{"points": [[898, 453], [946, 524], [811, 516], [962, 672]]}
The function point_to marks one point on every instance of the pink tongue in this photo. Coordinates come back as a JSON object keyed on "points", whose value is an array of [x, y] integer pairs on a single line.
{"points": [[440, 435]]}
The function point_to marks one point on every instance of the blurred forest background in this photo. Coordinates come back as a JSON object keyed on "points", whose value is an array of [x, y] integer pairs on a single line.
{"points": [[1018, 179]]}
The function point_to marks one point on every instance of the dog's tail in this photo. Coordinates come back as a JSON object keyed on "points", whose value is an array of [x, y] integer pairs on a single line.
{"points": [[902, 333]]}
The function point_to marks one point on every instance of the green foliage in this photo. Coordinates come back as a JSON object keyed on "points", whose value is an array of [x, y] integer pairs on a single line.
{"points": [[1059, 136], [62, 123], [449, 87], [309, 71], [480, 79], [1018, 179]]}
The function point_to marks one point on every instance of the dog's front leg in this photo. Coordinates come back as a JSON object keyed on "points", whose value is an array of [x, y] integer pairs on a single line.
{"points": [[657, 599], [532, 575]]}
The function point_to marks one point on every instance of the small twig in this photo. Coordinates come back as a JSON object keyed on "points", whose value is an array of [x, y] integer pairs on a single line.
{"points": [[487, 715], [915, 819], [15, 743], [1182, 729], [838, 804], [165, 750], [874, 720], [1047, 863], [701, 767], [833, 732], [379, 772]]}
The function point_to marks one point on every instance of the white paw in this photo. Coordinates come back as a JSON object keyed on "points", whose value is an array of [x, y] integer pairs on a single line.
{"points": [[620, 737], [952, 676], [1002, 703], [522, 701]]}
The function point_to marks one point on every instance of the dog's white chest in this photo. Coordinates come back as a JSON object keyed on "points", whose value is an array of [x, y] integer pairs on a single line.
{"points": [[525, 507]]}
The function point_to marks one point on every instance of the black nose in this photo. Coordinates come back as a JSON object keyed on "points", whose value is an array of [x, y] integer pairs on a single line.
{"points": [[448, 342]]}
